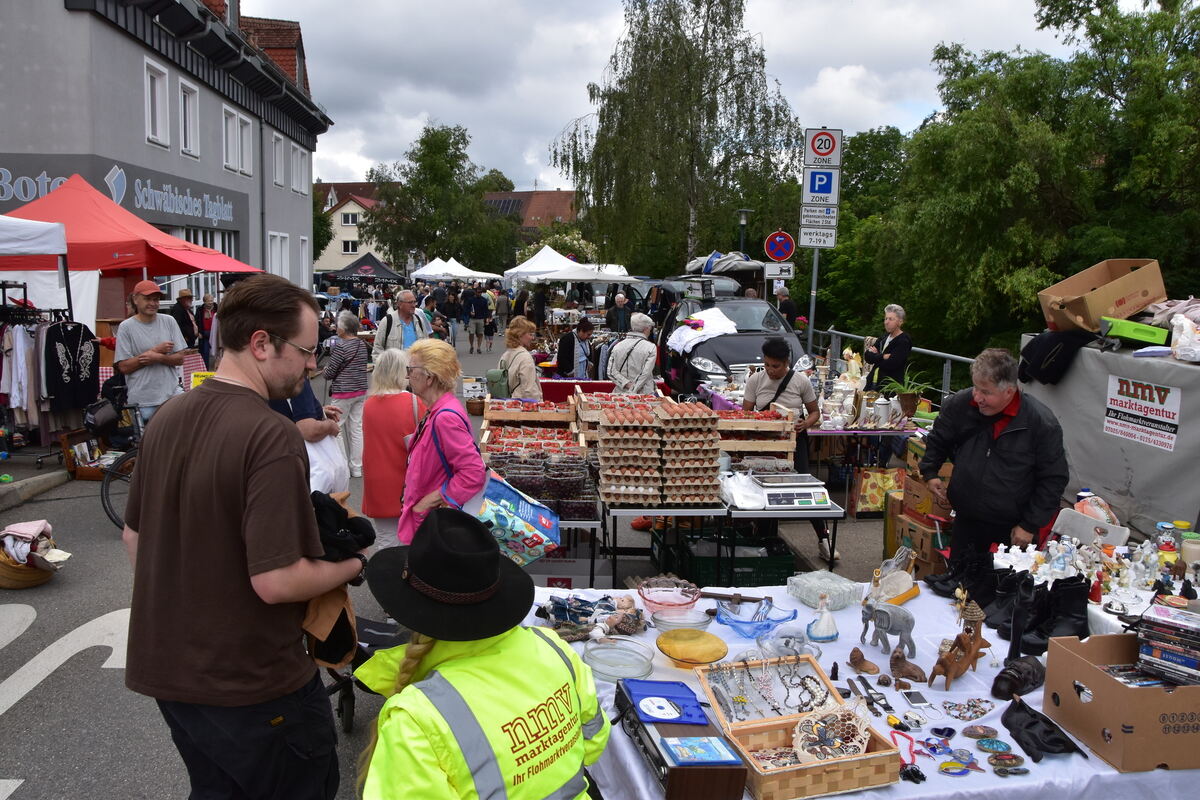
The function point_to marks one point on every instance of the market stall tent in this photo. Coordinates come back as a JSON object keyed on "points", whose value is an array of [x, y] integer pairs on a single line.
{"points": [[580, 273], [461, 271], [30, 237], [545, 260], [434, 270], [364, 269], [26, 237]]}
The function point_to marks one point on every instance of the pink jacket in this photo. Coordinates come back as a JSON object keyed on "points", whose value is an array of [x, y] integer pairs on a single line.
{"points": [[425, 470]]}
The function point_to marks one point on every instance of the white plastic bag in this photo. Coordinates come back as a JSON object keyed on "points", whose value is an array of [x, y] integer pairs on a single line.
{"points": [[328, 469], [1185, 339]]}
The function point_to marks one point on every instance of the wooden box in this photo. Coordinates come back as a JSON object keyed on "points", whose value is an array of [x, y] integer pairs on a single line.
{"points": [[783, 427], [78, 471], [563, 415], [878, 766]]}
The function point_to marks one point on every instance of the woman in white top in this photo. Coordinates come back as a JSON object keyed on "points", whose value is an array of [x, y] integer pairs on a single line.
{"points": [[522, 372]]}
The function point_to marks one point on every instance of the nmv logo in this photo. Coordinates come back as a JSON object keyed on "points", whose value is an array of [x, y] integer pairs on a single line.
{"points": [[1146, 392]]}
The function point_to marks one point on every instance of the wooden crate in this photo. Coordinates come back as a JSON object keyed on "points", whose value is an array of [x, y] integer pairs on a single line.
{"points": [[787, 445], [577, 447], [563, 416], [780, 426], [878, 766]]}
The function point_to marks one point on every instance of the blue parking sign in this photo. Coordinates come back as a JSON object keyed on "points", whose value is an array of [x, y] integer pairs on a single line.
{"points": [[820, 181], [821, 186]]}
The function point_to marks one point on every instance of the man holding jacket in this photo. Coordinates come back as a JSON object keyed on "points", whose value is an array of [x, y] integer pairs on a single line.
{"points": [[1010, 468]]}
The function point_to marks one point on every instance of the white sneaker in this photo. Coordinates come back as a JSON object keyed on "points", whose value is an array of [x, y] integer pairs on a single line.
{"points": [[356, 473], [823, 550]]}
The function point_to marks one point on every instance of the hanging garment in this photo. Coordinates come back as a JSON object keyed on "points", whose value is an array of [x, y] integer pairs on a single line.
{"points": [[72, 366]]}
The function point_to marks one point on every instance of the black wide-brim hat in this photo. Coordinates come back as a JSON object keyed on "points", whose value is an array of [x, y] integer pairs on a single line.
{"points": [[451, 583]]}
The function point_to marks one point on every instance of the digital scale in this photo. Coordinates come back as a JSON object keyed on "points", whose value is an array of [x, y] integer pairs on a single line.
{"points": [[792, 490]]}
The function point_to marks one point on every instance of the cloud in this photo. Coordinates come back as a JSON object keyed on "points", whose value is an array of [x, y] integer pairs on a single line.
{"points": [[515, 73]]}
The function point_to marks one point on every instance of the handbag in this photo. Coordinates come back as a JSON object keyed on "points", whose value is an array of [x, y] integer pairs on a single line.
{"points": [[101, 418], [328, 470], [524, 529]]}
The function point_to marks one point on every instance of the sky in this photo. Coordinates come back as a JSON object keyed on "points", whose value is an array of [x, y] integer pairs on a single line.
{"points": [[514, 73]]}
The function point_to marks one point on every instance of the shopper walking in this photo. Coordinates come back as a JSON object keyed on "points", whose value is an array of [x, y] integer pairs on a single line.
{"points": [[503, 309], [478, 315], [452, 310], [402, 327], [226, 553], [205, 315], [390, 414], [631, 362], [185, 317], [459, 694], [444, 465], [347, 376], [522, 372]]}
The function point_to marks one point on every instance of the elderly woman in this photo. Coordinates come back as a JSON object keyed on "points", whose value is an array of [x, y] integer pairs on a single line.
{"points": [[888, 355], [631, 362], [390, 414], [444, 465], [347, 373], [522, 372]]}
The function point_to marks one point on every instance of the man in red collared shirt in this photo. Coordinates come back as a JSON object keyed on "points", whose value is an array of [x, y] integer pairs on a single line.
{"points": [[1010, 468]]}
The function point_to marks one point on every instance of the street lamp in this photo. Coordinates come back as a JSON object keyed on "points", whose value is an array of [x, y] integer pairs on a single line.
{"points": [[742, 213]]}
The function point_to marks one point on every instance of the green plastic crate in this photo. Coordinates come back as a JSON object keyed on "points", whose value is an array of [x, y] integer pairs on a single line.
{"points": [[771, 570], [664, 557]]}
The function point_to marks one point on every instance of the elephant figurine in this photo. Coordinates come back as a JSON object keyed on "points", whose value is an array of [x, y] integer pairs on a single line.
{"points": [[888, 619]]}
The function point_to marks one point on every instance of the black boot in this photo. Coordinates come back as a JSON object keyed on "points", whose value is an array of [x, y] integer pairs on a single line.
{"points": [[982, 580], [1000, 609], [950, 578], [1068, 615], [1030, 609]]}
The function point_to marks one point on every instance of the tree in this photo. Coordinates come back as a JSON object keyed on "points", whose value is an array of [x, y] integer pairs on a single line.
{"points": [[686, 121], [322, 233], [432, 202], [566, 240]]}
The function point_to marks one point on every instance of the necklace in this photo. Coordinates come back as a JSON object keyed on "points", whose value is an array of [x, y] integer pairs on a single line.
{"points": [[740, 674], [762, 684], [733, 706]]}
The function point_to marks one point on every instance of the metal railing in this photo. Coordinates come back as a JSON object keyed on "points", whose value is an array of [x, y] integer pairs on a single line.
{"points": [[830, 341]]}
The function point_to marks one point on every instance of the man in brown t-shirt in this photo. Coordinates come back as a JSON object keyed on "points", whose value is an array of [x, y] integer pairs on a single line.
{"points": [[224, 545]]}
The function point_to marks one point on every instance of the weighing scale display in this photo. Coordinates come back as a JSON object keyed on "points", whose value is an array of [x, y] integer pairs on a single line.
{"points": [[802, 492]]}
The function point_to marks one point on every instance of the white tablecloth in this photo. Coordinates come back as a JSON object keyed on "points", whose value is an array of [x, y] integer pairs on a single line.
{"points": [[621, 773]]}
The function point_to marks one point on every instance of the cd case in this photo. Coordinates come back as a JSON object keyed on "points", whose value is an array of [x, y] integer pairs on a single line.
{"points": [[699, 750], [665, 701]]}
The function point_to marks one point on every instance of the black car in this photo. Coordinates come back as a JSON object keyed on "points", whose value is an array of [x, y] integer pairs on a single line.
{"points": [[722, 356]]}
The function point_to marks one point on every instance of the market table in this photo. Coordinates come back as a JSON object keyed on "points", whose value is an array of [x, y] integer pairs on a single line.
{"points": [[621, 772], [835, 513], [559, 390], [614, 514], [852, 436]]}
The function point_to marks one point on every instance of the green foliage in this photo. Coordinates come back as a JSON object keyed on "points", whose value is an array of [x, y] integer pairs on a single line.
{"points": [[567, 240], [322, 233], [432, 202], [913, 383], [688, 128]]}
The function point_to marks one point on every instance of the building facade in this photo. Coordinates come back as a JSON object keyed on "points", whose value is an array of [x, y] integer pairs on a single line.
{"points": [[189, 115], [345, 247]]}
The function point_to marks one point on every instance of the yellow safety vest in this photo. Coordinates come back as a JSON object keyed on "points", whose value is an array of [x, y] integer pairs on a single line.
{"points": [[513, 716]]}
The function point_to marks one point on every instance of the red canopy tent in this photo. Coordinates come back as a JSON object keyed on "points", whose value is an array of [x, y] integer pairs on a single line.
{"points": [[102, 235]]}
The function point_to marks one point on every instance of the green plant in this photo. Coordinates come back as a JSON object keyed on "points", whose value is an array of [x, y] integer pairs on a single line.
{"points": [[912, 384]]}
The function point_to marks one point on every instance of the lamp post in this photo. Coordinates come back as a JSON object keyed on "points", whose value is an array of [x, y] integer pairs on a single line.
{"points": [[742, 214]]}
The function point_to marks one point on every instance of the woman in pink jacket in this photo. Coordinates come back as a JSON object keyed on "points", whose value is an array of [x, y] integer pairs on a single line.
{"points": [[444, 465]]}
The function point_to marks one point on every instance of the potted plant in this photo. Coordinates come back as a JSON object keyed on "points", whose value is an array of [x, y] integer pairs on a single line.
{"points": [[907, 391]]}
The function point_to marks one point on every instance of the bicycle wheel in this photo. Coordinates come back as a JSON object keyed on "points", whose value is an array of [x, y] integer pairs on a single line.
{"points": [[114, 488]]}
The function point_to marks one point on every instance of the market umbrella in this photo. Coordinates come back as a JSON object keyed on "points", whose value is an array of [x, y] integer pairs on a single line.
{"points": [[365, 269]]}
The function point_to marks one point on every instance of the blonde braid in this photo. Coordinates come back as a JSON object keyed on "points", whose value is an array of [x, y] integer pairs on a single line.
{"points": [[418, 646]]}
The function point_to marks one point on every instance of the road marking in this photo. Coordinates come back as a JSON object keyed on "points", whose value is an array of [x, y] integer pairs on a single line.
{"points": [[110, 630], [15, 619], [7, 787]]}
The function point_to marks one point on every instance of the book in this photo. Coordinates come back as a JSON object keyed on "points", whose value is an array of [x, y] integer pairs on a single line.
{"points": [[699, 750]]}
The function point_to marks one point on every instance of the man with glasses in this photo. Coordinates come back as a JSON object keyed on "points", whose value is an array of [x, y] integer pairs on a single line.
{"points": [[149, 348], [226, 554], [401, 328]]}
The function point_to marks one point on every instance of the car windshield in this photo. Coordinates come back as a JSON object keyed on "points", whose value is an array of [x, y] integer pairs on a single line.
{"points": [[751, 317]]}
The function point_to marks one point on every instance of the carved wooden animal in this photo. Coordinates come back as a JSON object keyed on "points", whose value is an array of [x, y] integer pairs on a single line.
{"points": [[964, 654], [901, 667]]}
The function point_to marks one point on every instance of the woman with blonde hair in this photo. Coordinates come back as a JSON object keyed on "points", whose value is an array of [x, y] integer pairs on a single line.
{"points": [[457, 721], [390, 414], [522, 372], [444, 465]]}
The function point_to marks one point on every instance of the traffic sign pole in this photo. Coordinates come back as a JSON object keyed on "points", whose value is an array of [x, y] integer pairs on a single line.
{"points": [[812, 305]]}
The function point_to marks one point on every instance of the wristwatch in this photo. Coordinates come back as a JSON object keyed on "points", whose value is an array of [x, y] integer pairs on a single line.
{"points": [[357, 580]]}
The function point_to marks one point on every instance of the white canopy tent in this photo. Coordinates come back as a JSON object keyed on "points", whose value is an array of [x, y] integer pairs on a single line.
{"points": [[545, 260], [612, 270], [26, 237], [450, 270], [461, 271], [581, 273], [433, 270]]}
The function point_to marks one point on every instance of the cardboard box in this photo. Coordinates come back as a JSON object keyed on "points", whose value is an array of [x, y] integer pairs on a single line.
{"points": [[894, 507], [1134, 729], [921, 539], [1117, 287], [913, 454], [920, 504], [570, 573], [923, 568]]}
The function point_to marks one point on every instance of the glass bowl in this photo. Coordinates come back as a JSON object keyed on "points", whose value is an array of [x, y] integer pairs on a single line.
{"points": [[668, 594], [752, 620], [788, 640], [688, 647], [614, 657], [674, 619]]}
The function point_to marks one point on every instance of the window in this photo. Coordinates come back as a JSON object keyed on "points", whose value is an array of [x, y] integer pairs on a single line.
{"points": [[157, 121], [238, 138], [246, 134], [349, 247], [277, 157], [189, 122], [300, 176], [350, 218], [305, 263], [277, 253]]}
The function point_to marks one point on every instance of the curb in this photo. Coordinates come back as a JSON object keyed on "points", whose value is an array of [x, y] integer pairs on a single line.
{"points": [[14, 494]]}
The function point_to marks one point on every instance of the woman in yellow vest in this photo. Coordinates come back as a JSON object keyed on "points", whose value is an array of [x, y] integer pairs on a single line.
{"points": [[477, 706]]}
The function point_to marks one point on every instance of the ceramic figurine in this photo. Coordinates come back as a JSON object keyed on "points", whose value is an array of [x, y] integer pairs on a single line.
{"points": [[1096, 594], [902, 668], [823, 628], [888, 620]]}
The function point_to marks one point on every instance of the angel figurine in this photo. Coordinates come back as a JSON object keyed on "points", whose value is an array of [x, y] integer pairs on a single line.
{"points": [[823, 628]]}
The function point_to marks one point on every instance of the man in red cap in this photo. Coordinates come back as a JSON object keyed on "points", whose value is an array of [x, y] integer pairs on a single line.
{"points": [[149, 348]]}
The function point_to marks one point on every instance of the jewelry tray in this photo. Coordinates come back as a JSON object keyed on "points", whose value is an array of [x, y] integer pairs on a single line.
{"points": [[878, 766]]}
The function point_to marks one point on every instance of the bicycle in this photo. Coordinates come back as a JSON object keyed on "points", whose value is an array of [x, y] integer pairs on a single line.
{"points": [[119, 472]]}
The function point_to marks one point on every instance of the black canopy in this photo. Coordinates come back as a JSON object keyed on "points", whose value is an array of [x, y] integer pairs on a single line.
{"points": [[365, 269]]}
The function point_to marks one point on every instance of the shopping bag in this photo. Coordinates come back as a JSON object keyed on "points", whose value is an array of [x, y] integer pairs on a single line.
{"points": [[328, 470], [525, 530], [871, 485]]}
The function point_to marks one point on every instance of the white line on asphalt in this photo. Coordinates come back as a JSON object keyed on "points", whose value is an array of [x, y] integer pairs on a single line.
{"points": [[15, 619]]}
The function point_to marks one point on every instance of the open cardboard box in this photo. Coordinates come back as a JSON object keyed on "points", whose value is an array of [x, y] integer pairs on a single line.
{"points": [[1133, 728], [1117, 287]]}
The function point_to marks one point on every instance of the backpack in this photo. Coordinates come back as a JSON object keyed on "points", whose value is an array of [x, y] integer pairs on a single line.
{"points": [[497, 381], [1047, 356]]}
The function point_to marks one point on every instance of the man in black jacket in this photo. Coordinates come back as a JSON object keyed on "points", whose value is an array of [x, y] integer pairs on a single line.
{"points": [[1010, 468], [183, 314], [888, 355]]}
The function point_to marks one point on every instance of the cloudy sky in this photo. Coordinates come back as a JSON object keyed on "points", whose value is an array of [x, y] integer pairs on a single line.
{"points": [[515, 72]]}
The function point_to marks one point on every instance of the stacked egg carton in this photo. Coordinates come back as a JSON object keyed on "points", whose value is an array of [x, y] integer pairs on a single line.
{"points": [[690, 450], [629, 452]]}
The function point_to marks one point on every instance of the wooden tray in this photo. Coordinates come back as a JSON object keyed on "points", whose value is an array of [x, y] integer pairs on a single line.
{"points": [[878, 766], [780, 426], [80, 472], [565, 415]]}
